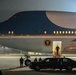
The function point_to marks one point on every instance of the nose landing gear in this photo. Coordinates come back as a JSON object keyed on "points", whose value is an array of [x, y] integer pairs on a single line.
{"points": [[27, 61]]}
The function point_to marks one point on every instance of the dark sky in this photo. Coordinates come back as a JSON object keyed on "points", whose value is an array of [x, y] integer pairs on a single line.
{"points": [[10, 7]]}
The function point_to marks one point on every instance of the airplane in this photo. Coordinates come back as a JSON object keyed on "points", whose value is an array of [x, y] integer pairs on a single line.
{"points": [[35, 23], [38, 31]]}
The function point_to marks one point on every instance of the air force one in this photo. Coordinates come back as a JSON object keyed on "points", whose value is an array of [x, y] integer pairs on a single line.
{"points": [[39, 31]]}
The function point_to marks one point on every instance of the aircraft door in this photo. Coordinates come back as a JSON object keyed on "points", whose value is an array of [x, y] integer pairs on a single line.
{"points": [[57, 47]]}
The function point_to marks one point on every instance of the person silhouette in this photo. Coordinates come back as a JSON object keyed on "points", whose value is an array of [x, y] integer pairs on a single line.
{"points": [[57, 49], [35, 60], [21, 62], [40, 59]]}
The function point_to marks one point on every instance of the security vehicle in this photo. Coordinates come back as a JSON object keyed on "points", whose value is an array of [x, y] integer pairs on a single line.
{"points": [[54, 63]]}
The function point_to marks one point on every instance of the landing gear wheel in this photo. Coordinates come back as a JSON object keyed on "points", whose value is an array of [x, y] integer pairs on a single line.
{"points": [[37, 68], [27, 62]]}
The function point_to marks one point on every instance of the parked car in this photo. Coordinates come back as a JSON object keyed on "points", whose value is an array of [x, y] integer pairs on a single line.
{"points": [[54, 63]]}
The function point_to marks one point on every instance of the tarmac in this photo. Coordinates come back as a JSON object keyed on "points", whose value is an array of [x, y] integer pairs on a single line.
{"points": [[10, 66], [27, 71]]}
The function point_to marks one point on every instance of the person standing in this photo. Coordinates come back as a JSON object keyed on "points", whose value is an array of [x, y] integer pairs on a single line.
{"points": [[35, 60], [40, 59], [21, 62], [57, 49]]}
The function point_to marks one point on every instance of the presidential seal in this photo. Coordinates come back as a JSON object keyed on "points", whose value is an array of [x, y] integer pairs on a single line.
{"points": [[47, 42]]}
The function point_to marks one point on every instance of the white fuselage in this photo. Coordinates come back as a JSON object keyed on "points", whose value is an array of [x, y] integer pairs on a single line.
{"points": [[35, 43]]}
